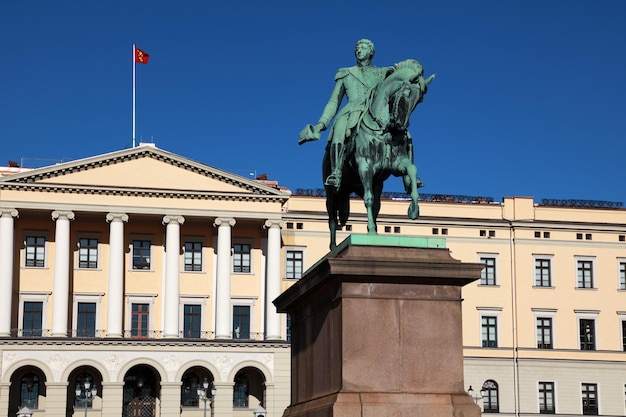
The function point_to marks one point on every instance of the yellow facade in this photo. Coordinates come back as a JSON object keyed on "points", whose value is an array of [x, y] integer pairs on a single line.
{"points": [[543, 330]]}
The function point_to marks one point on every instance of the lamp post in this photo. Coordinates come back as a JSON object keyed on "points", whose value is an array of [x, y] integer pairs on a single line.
{"points": [[89, 391], [470, 392], [203, 394]]}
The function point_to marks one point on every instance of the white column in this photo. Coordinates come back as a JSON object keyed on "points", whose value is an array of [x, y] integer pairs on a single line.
{"points": [[222, 296], [172, 276], [272, 285], [61, 288], [6, 269], [115, 293]]}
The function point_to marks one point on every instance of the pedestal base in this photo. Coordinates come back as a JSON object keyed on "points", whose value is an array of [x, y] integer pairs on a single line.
{"points": [[376, 331]]}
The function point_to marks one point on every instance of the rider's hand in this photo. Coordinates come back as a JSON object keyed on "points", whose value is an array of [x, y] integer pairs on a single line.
{"points": [[309, 133]]}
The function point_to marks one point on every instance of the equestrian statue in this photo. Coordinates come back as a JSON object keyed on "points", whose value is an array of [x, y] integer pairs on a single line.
{"points": [[369, 140]]}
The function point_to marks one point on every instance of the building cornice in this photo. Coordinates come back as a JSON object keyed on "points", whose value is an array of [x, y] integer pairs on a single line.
{"points": [[143, 192], [101, 343]]}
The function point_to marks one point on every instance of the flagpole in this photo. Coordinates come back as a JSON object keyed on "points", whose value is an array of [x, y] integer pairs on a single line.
{"points": [[134, 65]]}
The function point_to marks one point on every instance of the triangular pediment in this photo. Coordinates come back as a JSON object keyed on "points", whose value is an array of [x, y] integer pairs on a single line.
{"points": [[146, 169]]}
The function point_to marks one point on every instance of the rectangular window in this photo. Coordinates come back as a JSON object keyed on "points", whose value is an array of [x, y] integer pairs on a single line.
{"points": [[546, 398], [488, 274], [590, 399], [584, 274], [192, 318], [35, 251], [141, 254], [543, 276], [241, 322], [489, 331], [241, 257], [32, 318], [193, 256], [544, 333], [293, 264], [622, 276], [139, 320], [624, 335], [86, 320], [288, 330], [87, 253], [587, 334]]}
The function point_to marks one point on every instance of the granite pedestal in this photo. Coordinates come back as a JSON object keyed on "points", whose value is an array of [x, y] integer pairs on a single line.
{"points": [[376, 331]]}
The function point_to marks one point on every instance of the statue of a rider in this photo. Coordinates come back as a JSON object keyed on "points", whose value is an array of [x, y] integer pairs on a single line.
{"points": [[356, 83]]}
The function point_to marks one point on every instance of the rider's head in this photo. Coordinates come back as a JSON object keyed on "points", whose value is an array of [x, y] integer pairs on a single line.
{"points": [[365, 44]]}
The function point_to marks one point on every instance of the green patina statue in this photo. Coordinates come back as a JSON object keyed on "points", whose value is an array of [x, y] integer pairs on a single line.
{"points": [[368, 140]]}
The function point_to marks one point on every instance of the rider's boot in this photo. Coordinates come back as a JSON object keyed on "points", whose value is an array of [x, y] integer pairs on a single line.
{"points": [[336, 164]]}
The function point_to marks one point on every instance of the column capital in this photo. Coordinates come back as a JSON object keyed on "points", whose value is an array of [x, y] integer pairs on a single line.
{"points": [[62, 215], [226, 221], [273, 223], [117, 217], [8, 212], [173, 219]]}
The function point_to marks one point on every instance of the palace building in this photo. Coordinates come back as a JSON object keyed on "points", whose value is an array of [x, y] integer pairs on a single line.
{"points": [[139, 282]]}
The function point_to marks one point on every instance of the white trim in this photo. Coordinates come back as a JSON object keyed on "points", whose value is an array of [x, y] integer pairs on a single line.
{"points": [[620, 261], [548, 313], [203, 253], [200, 300], [621, 315], [549, 258], [241, 241], [247, 301], [489, 312], [35, 297], [46, 248], [580, 399], [134, 237], [294, 249], [554, 390], [140, 299], [86, 298], [494, 256], [594, 277], [588, 315], [87, 235]]}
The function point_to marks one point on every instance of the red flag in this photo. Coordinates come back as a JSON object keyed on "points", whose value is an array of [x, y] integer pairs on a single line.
{"points": [[141, 56]]}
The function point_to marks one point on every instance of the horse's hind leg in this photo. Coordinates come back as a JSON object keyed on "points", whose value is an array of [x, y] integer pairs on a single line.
{"points": [[410, 184], [332, 219], [366, 176]]}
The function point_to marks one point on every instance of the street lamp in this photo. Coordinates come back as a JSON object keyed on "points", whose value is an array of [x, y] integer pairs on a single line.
{"points": [[25, 412], [470, 391], [203, 394], [89, 391], [259, 411]]}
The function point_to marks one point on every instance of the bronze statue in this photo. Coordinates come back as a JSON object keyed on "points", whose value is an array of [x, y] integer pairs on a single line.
{"points": [[369, 140], [355, 83]]}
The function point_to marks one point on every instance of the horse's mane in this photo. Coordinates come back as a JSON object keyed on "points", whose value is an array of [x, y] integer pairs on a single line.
{"points": [[410, 64]]}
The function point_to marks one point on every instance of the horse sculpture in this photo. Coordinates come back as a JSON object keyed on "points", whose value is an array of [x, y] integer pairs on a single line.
{"points": [[380, 146]]}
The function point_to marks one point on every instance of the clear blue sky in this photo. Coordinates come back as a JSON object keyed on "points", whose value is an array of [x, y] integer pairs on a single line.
{"points": [[529, 97]]}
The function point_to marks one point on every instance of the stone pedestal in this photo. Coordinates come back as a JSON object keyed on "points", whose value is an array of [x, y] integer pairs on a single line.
{"points": [[376, 331]]}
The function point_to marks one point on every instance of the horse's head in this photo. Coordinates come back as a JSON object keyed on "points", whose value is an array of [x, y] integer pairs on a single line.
{"points": [[398, 94]]}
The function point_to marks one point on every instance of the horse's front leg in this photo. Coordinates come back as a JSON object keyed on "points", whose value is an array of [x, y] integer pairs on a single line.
{"points": [[410, 185], [332, 219], [366, 175]]}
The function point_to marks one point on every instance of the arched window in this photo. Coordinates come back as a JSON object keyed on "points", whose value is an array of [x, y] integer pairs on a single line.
{"points": [[240, 391], [29, 391], [189, 393], [490, 400]]}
